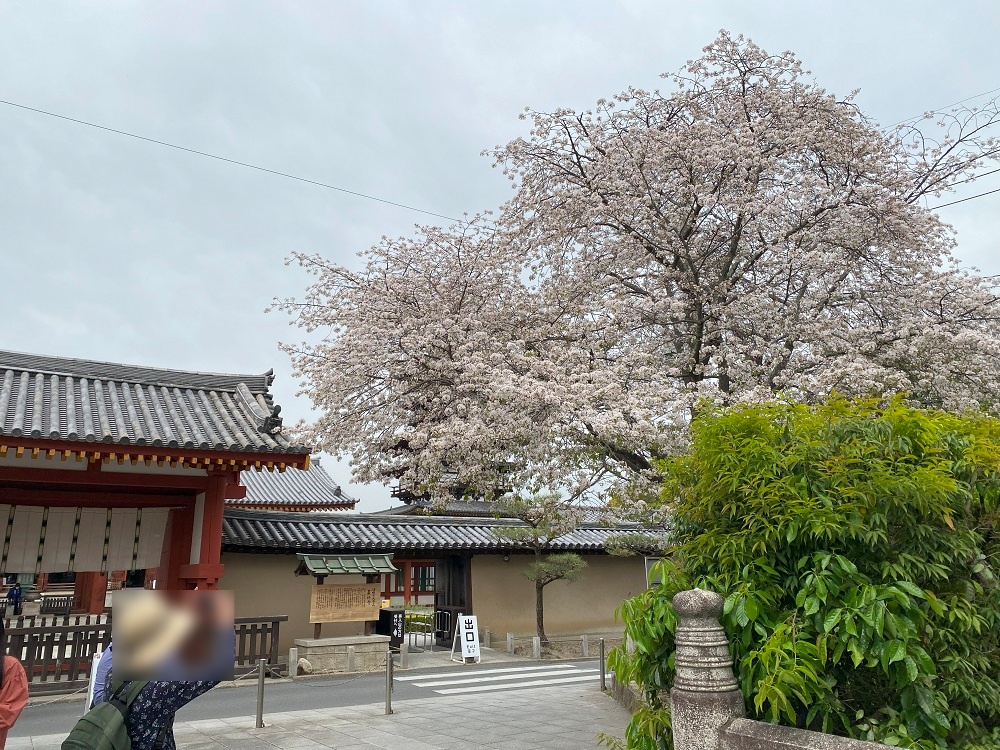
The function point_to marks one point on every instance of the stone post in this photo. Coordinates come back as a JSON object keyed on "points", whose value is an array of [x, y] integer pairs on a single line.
{"points": [[705, 696]]}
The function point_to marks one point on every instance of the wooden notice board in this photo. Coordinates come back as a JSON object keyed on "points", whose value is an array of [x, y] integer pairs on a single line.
{"points": [[345, 603]]}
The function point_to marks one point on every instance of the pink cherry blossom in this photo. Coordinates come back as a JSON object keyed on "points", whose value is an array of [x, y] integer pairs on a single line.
{"points": [[747, 235]]}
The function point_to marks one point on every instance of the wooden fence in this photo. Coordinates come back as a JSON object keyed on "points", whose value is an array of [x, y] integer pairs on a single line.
{"points": [[57, 658], [57, 652], [56, 605], [257, 638]]}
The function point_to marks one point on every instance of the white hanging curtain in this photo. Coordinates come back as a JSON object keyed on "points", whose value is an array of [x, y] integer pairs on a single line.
{"points": [[57, 540]]}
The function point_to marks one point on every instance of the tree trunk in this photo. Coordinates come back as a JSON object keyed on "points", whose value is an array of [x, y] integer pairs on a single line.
{"points": [[539, 604], [540, 613]]}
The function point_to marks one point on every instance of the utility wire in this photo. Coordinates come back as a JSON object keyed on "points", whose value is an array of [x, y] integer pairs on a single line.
{"points": [[963, 200], [233, 161], [938, 109], [385, 200], [975, 177]]}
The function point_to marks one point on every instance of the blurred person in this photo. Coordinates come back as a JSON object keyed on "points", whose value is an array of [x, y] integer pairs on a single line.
{"points": [[150, 635], [209, 650], [13, 688]]}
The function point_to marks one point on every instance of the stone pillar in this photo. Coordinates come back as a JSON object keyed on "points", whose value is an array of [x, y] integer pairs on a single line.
{"points": [[705, 696]]}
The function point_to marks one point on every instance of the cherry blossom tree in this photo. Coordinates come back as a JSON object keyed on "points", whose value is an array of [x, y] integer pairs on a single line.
{"points": [[745, 235]]}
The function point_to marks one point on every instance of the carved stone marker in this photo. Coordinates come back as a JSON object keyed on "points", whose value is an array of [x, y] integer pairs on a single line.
{"points": [[705, 695]]}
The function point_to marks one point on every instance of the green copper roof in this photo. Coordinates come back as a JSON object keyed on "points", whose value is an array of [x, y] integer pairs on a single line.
{"points": [[339, 565]]}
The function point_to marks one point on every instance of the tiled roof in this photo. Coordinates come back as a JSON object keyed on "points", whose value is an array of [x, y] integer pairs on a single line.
{"points": [[100, 402], [459, 508], [332, 565], [472, 509], [333, 533], [312, 489]]}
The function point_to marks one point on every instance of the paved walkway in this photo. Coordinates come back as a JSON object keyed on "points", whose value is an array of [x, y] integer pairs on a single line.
{"points": [[551, 718]]}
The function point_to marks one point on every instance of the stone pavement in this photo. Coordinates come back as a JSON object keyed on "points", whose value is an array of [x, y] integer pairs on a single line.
{"points": [[551, 718]]}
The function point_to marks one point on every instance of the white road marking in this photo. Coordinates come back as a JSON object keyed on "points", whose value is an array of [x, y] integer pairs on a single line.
{"points": [[516, 685], [470, 679], [456, 672]]}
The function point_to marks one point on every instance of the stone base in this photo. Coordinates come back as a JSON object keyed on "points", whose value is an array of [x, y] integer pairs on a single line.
{"points": [[354, 653], [698, 717]]}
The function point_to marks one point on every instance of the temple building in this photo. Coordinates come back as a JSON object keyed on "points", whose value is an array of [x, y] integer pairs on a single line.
{"points": [[108, 467]]}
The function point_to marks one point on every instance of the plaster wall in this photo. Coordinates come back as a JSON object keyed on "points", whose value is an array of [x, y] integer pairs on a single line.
{"points": [[266, 585], [504, 600]]}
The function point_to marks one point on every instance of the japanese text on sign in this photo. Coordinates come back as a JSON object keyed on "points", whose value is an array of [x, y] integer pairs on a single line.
{"points": [[340, 603], [469, 633]]}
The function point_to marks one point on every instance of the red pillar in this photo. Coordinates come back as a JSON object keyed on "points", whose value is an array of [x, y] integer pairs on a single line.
{"points": [[176, 548], [89, 592], [205, 574], [407, 570]]}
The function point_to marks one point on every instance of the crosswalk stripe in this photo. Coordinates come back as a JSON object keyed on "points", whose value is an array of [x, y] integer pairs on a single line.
{"points": [[516, 685], [470, 679], [454, 672]]}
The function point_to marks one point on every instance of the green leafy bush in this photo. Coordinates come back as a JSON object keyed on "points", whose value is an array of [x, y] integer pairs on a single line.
{"points": [[858, 546]]}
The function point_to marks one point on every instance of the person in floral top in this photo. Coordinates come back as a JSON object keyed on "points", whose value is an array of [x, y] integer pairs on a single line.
{"points": [[171, 646], [150, 720]]}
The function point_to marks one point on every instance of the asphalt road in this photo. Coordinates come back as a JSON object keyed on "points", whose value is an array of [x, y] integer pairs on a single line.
{"points": [[327, 692]]}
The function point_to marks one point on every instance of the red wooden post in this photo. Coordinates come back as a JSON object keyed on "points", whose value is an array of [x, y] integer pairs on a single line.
{"points": [[90, 591], [407, 571], [176, 547]]}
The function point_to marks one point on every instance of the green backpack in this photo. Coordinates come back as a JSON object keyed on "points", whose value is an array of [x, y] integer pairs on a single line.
{"points": [[103, 727]]}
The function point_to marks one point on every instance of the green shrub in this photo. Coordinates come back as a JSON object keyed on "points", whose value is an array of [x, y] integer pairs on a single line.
{"points": [[858, 546]]}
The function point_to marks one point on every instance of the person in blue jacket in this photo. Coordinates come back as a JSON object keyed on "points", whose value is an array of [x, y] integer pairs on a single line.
{"points": [[15, 596]]}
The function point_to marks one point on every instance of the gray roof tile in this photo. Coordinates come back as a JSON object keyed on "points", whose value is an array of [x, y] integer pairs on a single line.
{"points": [[101, 402], [341, 532], [313, 488], [473, 509]]}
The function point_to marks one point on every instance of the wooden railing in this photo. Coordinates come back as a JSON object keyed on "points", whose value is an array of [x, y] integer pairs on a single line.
{"points": [[56, 605], [257, 638], [33, 622], [57, 652], [57, 658]]}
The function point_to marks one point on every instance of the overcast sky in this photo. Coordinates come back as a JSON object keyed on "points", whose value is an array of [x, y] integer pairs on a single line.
{"points": [[121, 250]]}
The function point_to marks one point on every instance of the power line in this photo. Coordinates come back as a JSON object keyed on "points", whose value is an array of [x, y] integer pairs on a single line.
{"points": [[938, 109], [963, 200], [234, 161], [376, 198], [975, 177]]}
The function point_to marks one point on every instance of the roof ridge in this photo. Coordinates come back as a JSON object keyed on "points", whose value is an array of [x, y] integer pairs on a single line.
{"points": [[140, 374], [340, 518]]}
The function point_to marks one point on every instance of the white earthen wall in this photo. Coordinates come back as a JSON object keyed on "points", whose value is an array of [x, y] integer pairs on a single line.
{"points": [[504, 600]]}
